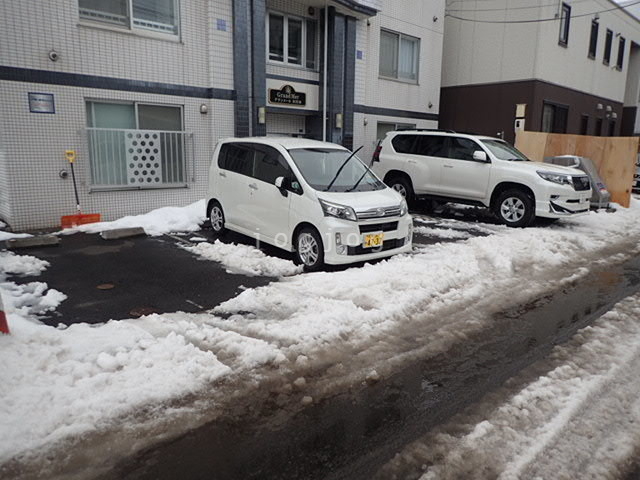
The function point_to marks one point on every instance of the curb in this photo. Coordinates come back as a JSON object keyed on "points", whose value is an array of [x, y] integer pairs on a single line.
{"points": [[118, 233], [31, 242]]}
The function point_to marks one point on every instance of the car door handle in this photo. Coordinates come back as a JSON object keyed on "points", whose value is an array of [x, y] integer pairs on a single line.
{"points": [[222, 174], [253, 186], [411, 161], [448, 166]]}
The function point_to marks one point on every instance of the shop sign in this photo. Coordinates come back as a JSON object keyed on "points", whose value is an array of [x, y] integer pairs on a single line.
{"points": [[41, 103], [287, 96]]}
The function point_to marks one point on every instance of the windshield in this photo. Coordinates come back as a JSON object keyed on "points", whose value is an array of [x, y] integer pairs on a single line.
{"points": [[504, 151], [320, 168]]}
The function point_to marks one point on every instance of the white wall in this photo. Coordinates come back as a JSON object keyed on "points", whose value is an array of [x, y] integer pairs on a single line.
{"points": [[476, 53]]}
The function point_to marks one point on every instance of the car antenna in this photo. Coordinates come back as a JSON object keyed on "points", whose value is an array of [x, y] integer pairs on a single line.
{"points": [[341, 167]]}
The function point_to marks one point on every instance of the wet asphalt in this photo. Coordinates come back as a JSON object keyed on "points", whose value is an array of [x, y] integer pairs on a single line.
{"points": [[351, 435]]}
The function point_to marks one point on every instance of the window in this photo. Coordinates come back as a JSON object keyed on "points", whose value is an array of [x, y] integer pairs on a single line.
{"points": [[462, 148], [292, 40], [135, 145], [620, 61], [607, 47], [399, 56], [584, 125], [269, 164], [598, 128], [385, 127], [593, 40], [156, 15], [236, 157], [554, 118], [565, 20], [403, 143], [431, 146]]}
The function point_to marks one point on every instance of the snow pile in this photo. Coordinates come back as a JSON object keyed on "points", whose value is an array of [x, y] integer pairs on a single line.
{"points": [[155, 223], [245, 259], [448, 233], [579, 415], [11, 263], [8, 235]]}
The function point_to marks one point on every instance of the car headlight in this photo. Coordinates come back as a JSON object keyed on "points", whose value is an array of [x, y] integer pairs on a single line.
{"points": [[338, 211], [403, 208], [559, 178]]}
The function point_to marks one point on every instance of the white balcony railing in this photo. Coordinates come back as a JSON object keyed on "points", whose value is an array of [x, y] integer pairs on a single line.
{"points": [[138, 159]]}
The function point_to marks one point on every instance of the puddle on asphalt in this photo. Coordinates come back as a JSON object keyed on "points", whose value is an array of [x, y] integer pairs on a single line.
{"points": [[352, 435]]}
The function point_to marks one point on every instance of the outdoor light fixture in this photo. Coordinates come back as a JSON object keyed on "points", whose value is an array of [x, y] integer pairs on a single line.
{"points": [[338, 120], [599, 106], [614, 115], [365, 121], [262, 115], [609, 108], [204, 109]]}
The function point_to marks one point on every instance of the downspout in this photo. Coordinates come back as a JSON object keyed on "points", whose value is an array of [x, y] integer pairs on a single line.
{"points": [[324, 80]]}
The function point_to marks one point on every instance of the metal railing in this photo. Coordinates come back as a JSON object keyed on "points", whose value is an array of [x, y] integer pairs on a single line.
{"points": [[138, 159]]}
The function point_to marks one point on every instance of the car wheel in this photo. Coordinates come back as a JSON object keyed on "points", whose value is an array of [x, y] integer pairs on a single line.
{"points": [[216, 217], [515, 208], [309, 249], [403, 187]]}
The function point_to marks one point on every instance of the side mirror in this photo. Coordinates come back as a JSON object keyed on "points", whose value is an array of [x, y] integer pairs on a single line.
{"points": [[279, 182], [282, 184], [480, 156]]}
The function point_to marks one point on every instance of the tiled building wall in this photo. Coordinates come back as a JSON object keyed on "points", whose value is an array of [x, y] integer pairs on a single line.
{"points": [[35, 146]]}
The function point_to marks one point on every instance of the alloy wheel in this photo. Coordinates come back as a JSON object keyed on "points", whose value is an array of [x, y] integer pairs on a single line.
{"points": [[308, 249], [512, 209]]}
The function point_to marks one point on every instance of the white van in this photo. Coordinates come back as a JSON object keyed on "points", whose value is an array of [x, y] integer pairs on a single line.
{"points": [[313, 198]]}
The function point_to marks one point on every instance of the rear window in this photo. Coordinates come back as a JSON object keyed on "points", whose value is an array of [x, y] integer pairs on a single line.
{"points": [[403, 143]]}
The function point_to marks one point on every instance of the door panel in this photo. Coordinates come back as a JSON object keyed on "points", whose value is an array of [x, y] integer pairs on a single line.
{"points": [[425, 164], [461, 175], [236, 164], [270, 207]]}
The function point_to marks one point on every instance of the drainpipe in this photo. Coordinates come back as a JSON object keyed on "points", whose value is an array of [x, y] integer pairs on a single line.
{"points": [[324, 81]]}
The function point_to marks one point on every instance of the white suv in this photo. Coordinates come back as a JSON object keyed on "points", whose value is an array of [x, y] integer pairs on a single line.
{"points": [[451, 167], [313, 198]]}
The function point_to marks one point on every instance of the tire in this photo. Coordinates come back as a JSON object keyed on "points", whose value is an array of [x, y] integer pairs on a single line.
{"points": [[403, 187], [216, 218], [309, 249], [515, 208]]}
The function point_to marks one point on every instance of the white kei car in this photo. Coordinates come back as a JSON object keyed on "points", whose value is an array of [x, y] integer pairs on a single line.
{"points": [[313, 198]]}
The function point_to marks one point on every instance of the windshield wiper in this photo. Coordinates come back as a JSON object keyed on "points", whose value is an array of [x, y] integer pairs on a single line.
{"points": [[360, 179], [340, 169]]}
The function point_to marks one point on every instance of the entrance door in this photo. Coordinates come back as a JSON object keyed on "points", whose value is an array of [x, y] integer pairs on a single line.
{"points": [[279, 124]]}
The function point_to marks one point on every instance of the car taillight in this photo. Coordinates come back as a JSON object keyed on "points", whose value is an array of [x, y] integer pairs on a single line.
{"points": [[376, 154]]}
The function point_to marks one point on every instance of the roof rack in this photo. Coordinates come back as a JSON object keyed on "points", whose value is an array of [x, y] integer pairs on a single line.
{"points": [[424, 130]]}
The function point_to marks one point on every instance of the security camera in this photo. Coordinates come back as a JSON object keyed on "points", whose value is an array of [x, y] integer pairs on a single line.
{"points": [[53, 56]]}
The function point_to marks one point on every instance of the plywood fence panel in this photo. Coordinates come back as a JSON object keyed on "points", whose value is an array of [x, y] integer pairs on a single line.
{"points": [[614, 157]]}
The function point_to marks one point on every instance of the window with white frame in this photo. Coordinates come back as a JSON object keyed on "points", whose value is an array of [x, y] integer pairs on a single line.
{"points": [[155, 15], [399, 56], [292, 40], [385, 127], [135, 145]]}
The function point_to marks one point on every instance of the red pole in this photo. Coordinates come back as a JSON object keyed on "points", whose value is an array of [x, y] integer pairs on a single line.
{"points": [[4, 326]]}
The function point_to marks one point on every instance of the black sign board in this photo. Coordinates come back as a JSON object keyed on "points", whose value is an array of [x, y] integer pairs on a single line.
{"points": [[287, 96]]}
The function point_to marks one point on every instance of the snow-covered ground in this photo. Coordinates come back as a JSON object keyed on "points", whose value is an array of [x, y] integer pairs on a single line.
{"points": [[306, 336], [578, 418]]}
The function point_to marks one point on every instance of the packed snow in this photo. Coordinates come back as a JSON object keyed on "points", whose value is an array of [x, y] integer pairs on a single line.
{"points": [[4, 236], [245, 259], [579, 417], [155, 223], [335, 328]]}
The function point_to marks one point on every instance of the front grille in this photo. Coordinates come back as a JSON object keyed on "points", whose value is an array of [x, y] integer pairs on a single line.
{"points": [[581, 183], [379, 213], [387, 245], [379, 227]]}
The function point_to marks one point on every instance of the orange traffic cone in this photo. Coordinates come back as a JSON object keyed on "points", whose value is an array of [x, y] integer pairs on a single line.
{"points": [[4, 326]]}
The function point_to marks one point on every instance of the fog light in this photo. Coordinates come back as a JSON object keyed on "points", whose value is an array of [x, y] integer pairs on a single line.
{"points": [[341, 249], [409, 236]]}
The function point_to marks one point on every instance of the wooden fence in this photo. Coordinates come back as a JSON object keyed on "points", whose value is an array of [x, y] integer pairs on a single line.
{"points": [[614, 157]]}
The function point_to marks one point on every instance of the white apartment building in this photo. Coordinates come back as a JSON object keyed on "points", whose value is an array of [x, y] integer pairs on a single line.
{"points": [[567, 66], [141, 90]]}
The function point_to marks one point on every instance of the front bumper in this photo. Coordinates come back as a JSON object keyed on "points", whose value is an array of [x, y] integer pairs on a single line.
{"points": [[562, 202], [343, 240]]}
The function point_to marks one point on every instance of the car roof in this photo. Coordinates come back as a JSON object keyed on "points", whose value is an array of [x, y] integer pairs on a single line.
{"points": [[287, 143], [444, 133]]}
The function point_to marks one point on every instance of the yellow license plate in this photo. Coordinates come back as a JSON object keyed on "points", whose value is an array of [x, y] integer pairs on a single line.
{"points": [[373, 240]]}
